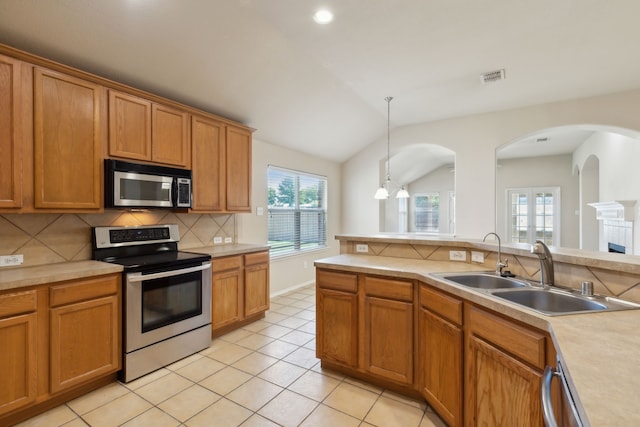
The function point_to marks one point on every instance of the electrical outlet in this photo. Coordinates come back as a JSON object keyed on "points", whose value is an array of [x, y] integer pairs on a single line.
{"points": [[458, 255], [228, 240], [477, 257], [362, 248], [10, 260], [217, 240]]}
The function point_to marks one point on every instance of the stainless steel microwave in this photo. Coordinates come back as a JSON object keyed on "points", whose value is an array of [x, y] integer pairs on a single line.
{"points": [[134, 185]]}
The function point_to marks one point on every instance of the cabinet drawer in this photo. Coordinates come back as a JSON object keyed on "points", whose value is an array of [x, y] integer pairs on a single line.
{"points": [[84, 289], [401, 290], [17, 303], [256, 258], [226, 263], [524, 343], [448, 307], [338, 281]]}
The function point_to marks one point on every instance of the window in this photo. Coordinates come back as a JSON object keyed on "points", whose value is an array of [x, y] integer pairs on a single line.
{"points": [[427, 212], [534, 214], [297, 204]]}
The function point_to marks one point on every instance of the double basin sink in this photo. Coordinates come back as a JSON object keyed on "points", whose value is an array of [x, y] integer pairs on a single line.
{"points": [[550, 301]]}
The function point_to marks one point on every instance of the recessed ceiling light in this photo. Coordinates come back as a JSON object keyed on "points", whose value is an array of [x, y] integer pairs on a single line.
{"points": [[323, 16]]}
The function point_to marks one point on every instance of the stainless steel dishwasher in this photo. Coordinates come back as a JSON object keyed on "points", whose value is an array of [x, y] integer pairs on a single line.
{"points": [[569, 416]]}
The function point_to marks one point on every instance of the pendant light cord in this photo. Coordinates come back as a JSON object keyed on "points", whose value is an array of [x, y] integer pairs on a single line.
{"points": [[388, 99]]}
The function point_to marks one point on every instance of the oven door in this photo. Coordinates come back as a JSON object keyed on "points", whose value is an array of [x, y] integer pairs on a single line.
{"points": [[166, 303]]}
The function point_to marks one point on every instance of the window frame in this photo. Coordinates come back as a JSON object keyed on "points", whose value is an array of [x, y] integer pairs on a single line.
{"points": [[298, 211], [414, 200], [531, 213]]}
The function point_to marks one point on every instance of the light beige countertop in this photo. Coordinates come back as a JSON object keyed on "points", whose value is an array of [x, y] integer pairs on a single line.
{"points": [[601, 351], [217, 251], [20, 277]]}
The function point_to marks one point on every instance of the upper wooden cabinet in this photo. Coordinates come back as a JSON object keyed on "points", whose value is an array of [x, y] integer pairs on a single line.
{"points": [[10, 137], [68, 139], [221, 161], [143, 130], [129, 126], [208, 162], [238, 172]]}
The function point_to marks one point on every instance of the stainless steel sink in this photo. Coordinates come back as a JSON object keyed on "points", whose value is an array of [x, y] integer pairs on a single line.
{"points": [[484, 280], [551, 302]]}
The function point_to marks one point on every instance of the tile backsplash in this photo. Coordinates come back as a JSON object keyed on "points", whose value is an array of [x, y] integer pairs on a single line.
{"points": [[51, 238]]}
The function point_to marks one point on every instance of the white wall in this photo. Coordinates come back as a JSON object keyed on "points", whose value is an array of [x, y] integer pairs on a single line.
{"points": [[442, 181], [474, 140], [289, 271]]}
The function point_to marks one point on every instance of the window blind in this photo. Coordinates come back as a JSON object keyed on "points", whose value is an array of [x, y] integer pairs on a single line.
{"points": [[297, 211]]}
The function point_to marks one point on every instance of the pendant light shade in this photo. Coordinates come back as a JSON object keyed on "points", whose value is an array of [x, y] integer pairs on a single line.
{"points": [[385, 188]]}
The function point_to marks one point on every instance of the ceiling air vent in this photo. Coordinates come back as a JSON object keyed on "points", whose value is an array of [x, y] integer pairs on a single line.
{"points": [[492, 76]]}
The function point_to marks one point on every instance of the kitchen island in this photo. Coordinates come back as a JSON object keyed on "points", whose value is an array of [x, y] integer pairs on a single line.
{"points": [[598, 350]]}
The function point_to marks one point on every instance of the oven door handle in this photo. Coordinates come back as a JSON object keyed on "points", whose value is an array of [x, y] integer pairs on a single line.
{"points": [[139, 277]]}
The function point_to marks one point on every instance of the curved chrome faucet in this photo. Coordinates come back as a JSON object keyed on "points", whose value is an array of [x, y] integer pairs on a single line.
{"points": [[500, 264], [546, 262]]}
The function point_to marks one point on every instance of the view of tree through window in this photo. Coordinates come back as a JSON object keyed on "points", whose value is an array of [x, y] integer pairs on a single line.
{"points": [[297, 211]]}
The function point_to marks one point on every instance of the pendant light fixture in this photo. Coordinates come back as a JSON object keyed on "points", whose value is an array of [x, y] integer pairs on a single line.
{"points": [[385, 188]]}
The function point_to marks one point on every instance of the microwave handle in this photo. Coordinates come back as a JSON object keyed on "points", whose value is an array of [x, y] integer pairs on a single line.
{"points": [[547, 406], [139, 277]]}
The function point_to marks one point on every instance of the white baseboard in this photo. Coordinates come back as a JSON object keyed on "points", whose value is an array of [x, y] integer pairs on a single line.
{"points": [[291, 288]]}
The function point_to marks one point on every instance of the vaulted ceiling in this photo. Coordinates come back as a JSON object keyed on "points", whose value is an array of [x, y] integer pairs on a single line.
{"points": [[320, 89]]}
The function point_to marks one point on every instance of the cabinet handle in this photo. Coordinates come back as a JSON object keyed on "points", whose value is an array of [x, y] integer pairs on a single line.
{"points": [[547, 406]]}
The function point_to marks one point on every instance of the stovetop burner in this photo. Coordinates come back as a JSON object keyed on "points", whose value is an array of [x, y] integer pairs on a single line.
{"points": [[143, 262], [140, 248]]}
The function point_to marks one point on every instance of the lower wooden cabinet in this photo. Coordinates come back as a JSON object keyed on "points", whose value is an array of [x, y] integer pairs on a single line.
{"points": [[18, 323], [388, 328], [337, 315], [440, 341], [57, 341], [505, 361], [226, 291], [473, 366], [256, 283], [239, 290], [85, 331]]}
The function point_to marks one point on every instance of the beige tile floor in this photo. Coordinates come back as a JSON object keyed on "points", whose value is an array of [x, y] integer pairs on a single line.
{"points": [[265, 374]]}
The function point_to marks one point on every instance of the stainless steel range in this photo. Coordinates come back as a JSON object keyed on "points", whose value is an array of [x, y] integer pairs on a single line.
{"points": [[166, 299]]}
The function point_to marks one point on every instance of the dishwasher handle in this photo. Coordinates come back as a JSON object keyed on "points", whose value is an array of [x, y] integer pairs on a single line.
{"points": [[547, 405]]}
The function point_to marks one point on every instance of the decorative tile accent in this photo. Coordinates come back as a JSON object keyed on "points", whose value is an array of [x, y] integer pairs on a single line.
{"points": [[52, 238], [606, 282]]}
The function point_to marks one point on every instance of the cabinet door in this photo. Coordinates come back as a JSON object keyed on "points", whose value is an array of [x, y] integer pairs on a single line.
{"points": [[256, 283], [17, 361], [10, 139], [388, 339], [169, 135], [208, 163], [85, 341], [337, 326], [67, 142], [238, 170], [501, 390], [129, 126], [440, 355], [226, 294]]}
